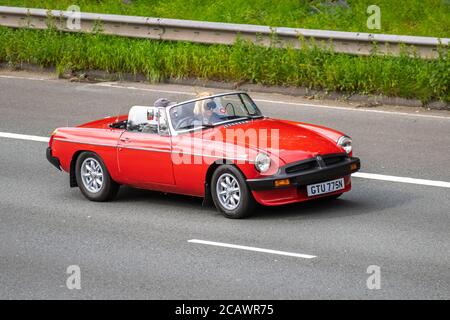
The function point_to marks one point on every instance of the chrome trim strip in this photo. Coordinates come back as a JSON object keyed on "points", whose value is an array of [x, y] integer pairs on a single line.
{"points": [[145, 149], [153, 150], [88, 143], [203, 98], [211, 156]]}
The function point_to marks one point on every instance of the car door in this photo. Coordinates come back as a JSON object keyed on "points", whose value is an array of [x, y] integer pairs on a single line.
{"points": [[144, 151]]}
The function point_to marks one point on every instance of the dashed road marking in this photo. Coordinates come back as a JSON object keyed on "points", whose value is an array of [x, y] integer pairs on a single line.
{"points": [[235, 246]]}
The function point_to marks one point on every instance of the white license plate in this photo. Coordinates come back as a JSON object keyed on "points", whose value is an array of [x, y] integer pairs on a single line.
{"points": [[325, 187]]}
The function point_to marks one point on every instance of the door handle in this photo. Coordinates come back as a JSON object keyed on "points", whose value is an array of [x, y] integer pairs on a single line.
{"points": [[125, 139]]}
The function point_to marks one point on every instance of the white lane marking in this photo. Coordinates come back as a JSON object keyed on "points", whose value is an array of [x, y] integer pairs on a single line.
{"points": [[374, 176], [352, 109], [112, 85], [23, 78], [23, 137], [434, 183], [235, 246]]}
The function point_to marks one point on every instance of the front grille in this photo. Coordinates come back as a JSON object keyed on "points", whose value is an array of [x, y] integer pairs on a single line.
{"points": [[314, 163], [302, 167], [334, 160]]}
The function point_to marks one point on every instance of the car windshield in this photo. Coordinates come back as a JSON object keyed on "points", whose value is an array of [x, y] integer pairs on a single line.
{"points": [[214, 110]]}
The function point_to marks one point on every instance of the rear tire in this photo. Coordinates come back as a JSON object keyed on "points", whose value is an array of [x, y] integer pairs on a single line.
{"points": [[93, 178], [230, 192]]}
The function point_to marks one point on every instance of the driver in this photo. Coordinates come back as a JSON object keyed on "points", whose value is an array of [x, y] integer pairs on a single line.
{"points": [[209, 116], [204, 110]]}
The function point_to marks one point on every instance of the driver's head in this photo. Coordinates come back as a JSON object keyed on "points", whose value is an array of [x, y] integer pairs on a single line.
{"points": [[201, 105], [208, 107], [161, 103]]}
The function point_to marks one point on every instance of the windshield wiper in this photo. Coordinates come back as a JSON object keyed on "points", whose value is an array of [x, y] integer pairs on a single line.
{"points": [[207, 125], [201, 126], [255, 117], [249, 116]]}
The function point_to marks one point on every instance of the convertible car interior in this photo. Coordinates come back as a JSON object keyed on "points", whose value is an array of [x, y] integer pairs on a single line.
{"points": [[143, 119], [140, 119]]}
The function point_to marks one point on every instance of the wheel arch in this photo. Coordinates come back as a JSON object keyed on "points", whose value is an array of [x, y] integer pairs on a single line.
{"points": [[207, 200], [73, 162]]}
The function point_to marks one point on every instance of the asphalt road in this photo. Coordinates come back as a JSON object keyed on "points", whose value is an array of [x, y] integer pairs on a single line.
{"points": [[137, 246]]}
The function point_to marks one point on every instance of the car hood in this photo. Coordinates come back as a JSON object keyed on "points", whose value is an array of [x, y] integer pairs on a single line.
{"points": [[289, 141]]}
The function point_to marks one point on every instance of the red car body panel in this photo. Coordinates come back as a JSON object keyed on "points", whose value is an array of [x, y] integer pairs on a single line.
{"points": [[147, 160]]}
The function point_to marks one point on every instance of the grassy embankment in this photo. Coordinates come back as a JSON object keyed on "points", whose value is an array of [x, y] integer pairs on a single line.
{"points": [[158, 60]]}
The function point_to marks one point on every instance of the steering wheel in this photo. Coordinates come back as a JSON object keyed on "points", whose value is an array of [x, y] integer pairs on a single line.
{"points": [[232, 106], [184, 122]]}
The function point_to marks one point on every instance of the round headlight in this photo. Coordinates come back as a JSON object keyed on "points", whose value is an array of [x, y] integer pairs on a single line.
{"points": [[346, 143], [262, 162]]}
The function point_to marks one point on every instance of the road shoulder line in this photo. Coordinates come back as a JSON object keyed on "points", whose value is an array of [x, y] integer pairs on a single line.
{"points": [[364, 175]]}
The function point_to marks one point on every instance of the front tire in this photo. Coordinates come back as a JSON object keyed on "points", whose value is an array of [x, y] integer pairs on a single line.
{"points": [[230, 192], [93, 178]]}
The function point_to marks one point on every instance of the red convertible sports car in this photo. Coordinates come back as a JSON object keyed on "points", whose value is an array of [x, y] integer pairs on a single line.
{"points": [[219, 147]]}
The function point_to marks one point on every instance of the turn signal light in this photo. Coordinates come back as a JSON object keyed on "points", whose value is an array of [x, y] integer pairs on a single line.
{"points": [[282, 182], [353, 166]]}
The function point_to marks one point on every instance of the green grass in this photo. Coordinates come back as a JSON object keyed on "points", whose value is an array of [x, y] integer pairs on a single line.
{"points": [[410, 17], [158, 60]]}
